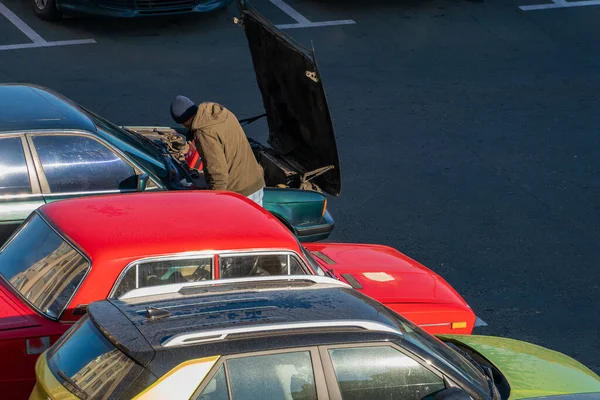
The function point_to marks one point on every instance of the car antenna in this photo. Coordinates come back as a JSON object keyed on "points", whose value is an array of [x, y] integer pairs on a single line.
{"points": [[156, 313]]}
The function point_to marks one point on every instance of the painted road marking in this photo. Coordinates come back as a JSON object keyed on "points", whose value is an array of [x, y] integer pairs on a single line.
{"points": [[561, 4], [302, 21], [37, 40]]}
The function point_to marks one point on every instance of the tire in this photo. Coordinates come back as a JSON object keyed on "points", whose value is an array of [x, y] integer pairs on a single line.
{"points": [[46, 9]]}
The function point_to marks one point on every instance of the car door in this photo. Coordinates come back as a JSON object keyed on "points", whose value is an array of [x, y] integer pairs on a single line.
{"points": [[290, 374], [19, 188], [377, 371], [77, 164]]}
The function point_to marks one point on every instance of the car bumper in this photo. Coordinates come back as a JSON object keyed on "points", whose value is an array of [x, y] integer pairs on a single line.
{"points": [[315, 233], [139, 8]]}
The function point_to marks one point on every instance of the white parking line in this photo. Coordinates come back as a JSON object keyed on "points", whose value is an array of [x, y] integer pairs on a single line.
{"points": [[561, 4], [22, 26], [37, 40], [302, 21]]}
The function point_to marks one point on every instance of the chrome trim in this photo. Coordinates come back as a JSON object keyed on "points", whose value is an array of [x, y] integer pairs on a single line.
{"points": [[221, 334], [205, 254], [92, 192], [37, 163], [438, 324], [174, 288], [31, 171], [21, 196]]}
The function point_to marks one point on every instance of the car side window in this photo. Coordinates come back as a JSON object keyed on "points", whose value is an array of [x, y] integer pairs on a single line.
{"points": [[14, 176], [266, 377], [81, 164], [381, 372], [216, 389], [240, 266], [165, 272]]}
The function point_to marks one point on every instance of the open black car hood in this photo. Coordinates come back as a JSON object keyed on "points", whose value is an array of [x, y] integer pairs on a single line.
{"points": [[294, 98]]}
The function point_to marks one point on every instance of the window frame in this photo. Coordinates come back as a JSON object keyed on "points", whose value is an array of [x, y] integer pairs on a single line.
{"points": [[288, 253], [43, 181], [315, 358], [329, 370], [34, 183], [135, 264], [73, 245], [216, 272]]}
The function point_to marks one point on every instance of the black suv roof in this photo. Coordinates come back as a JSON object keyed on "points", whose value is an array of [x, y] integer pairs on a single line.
{"points": [[31, 107], [144, 327]]}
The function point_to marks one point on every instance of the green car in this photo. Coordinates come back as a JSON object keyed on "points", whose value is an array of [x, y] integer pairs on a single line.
{"points": [[52, 148], [524, 370]]}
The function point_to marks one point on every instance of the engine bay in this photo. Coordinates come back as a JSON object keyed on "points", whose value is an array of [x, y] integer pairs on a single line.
{"points": [[279, 171]]}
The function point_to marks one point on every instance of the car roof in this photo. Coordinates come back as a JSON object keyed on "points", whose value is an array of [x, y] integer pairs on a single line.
{"points": [[247, 310], [31, 107], [130, 226]]}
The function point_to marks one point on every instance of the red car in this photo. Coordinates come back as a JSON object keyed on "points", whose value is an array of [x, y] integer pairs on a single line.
{"points": [[72, 252]]}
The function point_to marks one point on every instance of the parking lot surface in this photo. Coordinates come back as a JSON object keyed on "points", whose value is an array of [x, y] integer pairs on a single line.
{"points": [[468, 131]]}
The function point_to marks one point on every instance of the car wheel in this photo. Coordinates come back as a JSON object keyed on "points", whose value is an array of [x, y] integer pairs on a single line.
{"points": [[46, 9]]}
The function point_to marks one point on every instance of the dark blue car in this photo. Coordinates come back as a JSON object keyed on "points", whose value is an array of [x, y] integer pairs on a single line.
{"points": [[53, 9]]}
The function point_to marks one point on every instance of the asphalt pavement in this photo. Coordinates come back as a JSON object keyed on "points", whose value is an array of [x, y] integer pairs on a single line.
{"points": [[468, 131]]}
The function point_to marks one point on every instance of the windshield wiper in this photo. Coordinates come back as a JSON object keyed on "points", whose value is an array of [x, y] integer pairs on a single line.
{"points": [[490, 376], [486, 371], [80, 392]]}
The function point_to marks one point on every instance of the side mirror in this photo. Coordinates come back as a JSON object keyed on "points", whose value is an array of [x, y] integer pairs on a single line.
{"points": [[142, 182], [452, 394]]}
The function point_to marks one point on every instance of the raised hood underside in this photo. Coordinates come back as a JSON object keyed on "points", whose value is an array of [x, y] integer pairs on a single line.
{"points": [[300, 126]]}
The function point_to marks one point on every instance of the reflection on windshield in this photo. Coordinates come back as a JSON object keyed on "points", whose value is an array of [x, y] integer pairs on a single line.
{"points": [[90, 362], [42, 267]]}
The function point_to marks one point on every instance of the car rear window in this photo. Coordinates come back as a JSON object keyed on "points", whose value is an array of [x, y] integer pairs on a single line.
{"points": [[42, 267], [87, 363]]}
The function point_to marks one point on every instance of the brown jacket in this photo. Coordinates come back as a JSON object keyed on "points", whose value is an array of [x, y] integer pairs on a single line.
{"points": [[229, 163]]}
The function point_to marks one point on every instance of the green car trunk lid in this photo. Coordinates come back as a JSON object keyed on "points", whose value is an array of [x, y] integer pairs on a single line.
{"points": [[531, 370]]}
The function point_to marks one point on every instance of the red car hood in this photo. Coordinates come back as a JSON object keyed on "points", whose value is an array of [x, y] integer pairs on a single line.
{"points": [[385, 274], [13, 314]]}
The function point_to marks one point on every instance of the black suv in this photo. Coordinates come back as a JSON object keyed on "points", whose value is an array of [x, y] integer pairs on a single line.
{"points": [[280, 338]]}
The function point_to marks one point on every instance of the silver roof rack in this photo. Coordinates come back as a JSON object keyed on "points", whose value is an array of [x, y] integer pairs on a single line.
{"points": [[177, 287], [220, 334]]}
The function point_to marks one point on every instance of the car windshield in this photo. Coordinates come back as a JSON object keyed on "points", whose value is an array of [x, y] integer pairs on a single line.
{"points": [[87, 363], [42, 267], [313, 263], [141, 151], [443, 354]]}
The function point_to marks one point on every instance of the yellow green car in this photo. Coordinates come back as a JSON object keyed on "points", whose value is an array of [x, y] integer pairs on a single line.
{"points": [[292, 337]]}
